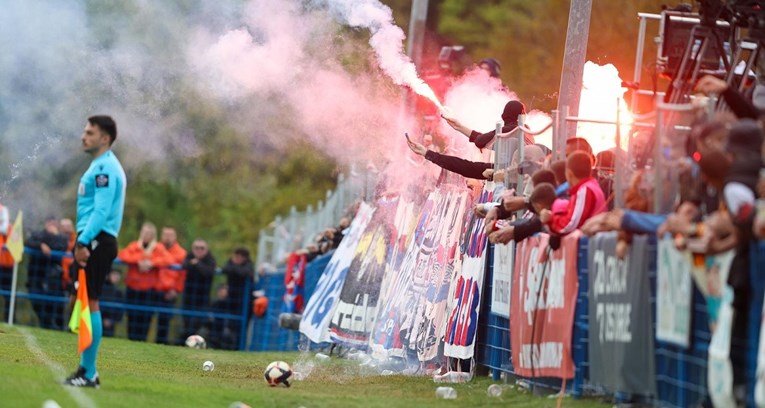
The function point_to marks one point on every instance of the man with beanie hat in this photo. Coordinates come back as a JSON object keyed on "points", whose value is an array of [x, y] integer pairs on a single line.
{"points": [[510, 114]]}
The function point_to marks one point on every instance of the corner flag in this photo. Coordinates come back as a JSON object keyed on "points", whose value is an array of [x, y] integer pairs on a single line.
{"points": [[15, 242], [80, 320]]}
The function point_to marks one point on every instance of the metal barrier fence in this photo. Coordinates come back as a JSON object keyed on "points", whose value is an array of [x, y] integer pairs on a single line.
{"points": [[141, 315], [681, 374], [298, 229]]}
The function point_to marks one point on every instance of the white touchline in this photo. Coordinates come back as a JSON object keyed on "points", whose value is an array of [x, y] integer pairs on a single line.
{"points": [[76, 393]]}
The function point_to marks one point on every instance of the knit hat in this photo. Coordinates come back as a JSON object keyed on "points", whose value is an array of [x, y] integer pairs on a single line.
{"points": [[512, 110]]}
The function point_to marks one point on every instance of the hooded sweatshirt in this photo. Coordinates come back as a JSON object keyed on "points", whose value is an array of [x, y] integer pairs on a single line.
{"points": [[510, 114]]}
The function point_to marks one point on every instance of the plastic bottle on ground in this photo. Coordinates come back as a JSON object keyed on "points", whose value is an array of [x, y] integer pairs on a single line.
{"points": [[446, 393], [494, 390], [322, 356]]}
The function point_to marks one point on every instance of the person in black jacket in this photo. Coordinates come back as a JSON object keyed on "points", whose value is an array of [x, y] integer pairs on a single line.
{"points": [[465, 168], [510, 114], [44, 274], [741, 107], [112, 293], [200, 268], [239, 271]]}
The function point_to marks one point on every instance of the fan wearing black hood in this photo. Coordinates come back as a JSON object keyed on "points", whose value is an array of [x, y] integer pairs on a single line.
{"points": [[510, 114]]}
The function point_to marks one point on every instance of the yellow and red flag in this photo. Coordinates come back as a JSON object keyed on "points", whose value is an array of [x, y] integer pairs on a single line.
{"points": [[15, 242], [80, 320]]}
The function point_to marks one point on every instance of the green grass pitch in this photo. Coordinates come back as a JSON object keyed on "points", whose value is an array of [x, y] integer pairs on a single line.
{"points": [[143, 375]]}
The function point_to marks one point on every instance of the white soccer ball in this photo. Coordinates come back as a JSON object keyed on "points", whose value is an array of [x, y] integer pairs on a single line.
{"points": [[277, 373], [196, 341], [208, 366]]}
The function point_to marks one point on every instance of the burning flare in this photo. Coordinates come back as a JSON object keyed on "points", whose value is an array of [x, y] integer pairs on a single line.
{"points": [[601, 89]]}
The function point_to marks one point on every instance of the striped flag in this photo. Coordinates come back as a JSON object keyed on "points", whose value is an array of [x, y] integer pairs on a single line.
{"points": [[80, 320], [15, 242]]}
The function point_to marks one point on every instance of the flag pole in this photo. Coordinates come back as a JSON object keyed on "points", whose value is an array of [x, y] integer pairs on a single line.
{"points": [[13, 293]]}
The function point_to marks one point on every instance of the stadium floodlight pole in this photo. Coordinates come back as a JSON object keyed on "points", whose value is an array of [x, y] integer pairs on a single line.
{"points": [[419, 15], [636, 77], [416, 38], [573, 60], [555, 133], [657, 165], [560, 151]]}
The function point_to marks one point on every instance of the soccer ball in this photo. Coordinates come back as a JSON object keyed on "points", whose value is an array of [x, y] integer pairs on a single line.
{"points": [[277, 373], [196, 341]]}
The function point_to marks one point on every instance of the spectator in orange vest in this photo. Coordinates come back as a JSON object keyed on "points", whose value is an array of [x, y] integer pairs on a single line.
{"points": [[144, 258], [169, 281], [66, 229]]}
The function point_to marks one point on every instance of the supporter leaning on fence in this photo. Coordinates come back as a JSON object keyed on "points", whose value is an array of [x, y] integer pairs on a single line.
{"points": [[510, 114], [66, 228], [143, 257], [169, 281], [44, 275], [587, 198], [110, 315], [200, 269], [240, 274]]}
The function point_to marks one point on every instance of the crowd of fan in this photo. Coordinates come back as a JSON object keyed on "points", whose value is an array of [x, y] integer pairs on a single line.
{"points": [[719, 205]]}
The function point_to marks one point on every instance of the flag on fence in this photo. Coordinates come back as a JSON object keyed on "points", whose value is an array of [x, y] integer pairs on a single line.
{"points": [[80, 321], [15, 242]]}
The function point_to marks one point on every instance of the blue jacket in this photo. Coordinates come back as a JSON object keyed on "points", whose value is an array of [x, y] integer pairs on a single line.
{"points": [[101, 198]]}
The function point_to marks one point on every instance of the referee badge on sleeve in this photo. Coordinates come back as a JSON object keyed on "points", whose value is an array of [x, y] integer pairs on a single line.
{"points": [[102, 180]]}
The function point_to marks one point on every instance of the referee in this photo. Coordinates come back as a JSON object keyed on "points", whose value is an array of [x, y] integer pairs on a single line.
{"points": [[100, 204]]}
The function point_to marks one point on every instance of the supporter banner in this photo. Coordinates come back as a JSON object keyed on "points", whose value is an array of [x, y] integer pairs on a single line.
{"points": [[294, 282], [320, 308], [710, 273], [411, 307], [719, 366], [502, 279], [465, 300], [620, 340], [673, 294], [384, 338], [355, 312], [436, 278], [545, 285]]}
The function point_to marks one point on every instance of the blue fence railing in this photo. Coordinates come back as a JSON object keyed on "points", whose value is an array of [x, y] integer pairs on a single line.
{"points": [[681, 373]]}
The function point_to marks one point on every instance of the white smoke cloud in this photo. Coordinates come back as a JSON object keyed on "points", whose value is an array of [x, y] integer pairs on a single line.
{"points": [[281, 71], [387, 40]]}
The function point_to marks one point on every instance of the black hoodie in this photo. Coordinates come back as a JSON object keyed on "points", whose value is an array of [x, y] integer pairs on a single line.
{"points": [[510, 114]]}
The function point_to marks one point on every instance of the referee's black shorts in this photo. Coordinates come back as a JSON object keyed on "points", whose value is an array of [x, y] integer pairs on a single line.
{"points": [[103, 250]]}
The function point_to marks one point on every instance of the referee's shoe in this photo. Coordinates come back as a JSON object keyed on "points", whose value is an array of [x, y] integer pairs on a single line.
{"points": [[78, 379]]}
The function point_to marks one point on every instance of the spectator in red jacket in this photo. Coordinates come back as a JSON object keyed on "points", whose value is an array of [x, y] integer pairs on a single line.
{"points": [[586, 200], [169, 281], [144, 258]]}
